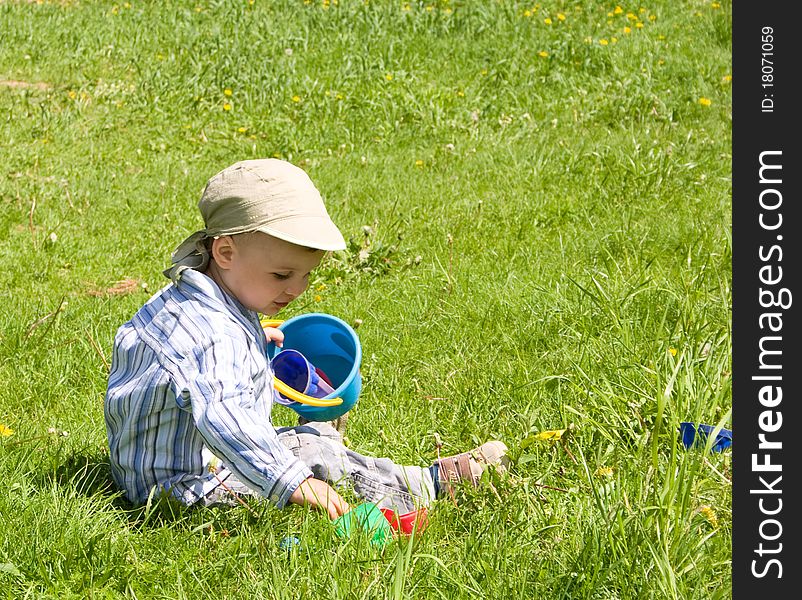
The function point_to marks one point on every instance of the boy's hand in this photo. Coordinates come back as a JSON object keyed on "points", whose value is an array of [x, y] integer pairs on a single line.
{"points": [[274, 335], [318, 493]]}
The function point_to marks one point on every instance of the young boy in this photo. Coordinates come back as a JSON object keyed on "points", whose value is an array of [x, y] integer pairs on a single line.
{"points": [[191, 389]]}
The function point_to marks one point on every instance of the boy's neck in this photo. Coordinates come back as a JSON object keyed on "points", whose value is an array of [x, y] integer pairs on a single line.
{"points": [[213, 273]]}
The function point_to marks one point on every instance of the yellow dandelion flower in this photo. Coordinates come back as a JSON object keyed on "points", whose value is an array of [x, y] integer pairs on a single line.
{"points": [[709, 514], [72, 94], [705, 101], [296, 98], [318, 297], [561, 16], [115, 10], [627, 29], [405, 7], [672, 351], [388, 76], [641, 10], [604, 472], [228, 92], [527, 13], [613, 40], [547, 21], [321, 287], [618, 10], [652, 17], [227, 106], [551, 435], [726, 79], [603, 42], [543, 54], [339, 96], [242, 129], [419, 163], [661, 37], [198, 9], [632, 16], [639, 25], [429, 8], [609, 14], [460, 93], [5, 431], [483, 72], [715, 5]]}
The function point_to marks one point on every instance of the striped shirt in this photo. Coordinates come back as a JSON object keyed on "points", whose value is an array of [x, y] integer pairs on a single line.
{"points": [[190, 382]]}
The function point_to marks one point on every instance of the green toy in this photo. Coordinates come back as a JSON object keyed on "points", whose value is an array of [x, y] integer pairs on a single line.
{"points": [[366, 518]]}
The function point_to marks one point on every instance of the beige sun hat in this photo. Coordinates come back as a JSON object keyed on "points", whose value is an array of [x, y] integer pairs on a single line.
{"points": [[268, 195]]}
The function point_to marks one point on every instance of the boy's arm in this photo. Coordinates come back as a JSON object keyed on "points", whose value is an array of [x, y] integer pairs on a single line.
{"points": [[320, 494], [216, 386]]}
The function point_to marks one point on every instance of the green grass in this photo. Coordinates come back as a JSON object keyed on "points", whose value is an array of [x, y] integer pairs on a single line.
{"points": [[550, 248]]}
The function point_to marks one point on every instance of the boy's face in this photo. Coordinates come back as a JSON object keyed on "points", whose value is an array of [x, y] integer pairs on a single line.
{"points": [[264, 273]]}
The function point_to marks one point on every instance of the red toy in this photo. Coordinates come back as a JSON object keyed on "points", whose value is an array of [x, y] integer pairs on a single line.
{"points": [[417, 520]]}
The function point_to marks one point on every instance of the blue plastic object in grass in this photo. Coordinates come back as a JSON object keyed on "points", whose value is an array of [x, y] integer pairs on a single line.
{"points": [[290, 543], [689, 432]]}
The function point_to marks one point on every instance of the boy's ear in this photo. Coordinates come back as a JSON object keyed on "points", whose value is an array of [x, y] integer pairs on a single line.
{"points": [[223, 251]]}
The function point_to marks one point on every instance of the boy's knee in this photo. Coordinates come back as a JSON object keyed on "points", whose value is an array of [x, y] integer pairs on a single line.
{"points": [[324, 429]]}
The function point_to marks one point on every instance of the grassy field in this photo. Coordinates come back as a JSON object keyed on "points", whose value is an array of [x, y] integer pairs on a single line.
{"points": [[538, 202]]}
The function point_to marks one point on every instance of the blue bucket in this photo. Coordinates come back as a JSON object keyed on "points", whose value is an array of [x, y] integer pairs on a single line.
{"points": [[332, 346]]}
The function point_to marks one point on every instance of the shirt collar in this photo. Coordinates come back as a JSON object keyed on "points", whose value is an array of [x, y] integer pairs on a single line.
{"points": [[203, 288]]}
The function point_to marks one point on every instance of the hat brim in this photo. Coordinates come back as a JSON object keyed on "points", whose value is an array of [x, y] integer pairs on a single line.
{"points": [[308, 231]]}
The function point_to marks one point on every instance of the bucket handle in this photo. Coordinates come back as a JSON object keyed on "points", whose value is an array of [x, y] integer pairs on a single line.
{"points": [[291, 393]]}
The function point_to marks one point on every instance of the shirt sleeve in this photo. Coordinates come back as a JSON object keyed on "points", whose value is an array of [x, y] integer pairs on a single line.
{"points": [[235, 424]]}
